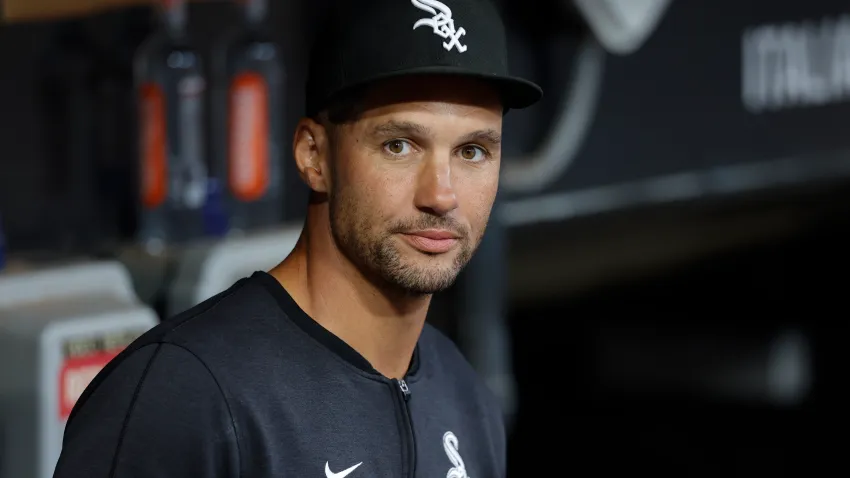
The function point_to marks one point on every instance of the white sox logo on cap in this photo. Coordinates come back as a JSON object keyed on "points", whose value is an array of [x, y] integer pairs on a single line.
{"points": [[442, 23]]}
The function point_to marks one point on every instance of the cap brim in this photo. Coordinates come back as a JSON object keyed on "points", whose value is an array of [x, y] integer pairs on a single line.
{"points": [[517, 93]]}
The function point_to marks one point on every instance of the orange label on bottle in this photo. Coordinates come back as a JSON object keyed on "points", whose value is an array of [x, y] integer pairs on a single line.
{"points": [[153, 145], [248, 163]]}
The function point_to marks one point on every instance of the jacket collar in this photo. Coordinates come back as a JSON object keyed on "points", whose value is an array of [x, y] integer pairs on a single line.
{"points": [[319, 333]]}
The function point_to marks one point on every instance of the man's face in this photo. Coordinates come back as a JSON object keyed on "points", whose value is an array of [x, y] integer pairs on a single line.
{"points": [[414, 180]]}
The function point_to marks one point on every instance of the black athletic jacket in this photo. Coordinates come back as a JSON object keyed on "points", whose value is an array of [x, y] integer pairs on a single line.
{"points": [[247, 385]]}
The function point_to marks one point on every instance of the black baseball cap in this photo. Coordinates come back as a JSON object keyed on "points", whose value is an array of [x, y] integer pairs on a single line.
{"points": [[364, 41]]}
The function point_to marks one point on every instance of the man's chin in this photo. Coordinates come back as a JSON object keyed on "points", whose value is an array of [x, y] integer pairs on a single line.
{"points": [[419, 279], [419, 273], [420, 288]]}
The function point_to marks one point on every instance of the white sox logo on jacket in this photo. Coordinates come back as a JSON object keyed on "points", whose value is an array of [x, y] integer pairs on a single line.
{"points": [[450, 444]]}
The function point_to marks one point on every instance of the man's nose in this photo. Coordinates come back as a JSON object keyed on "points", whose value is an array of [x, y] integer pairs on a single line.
{"points": [[435, 193]]}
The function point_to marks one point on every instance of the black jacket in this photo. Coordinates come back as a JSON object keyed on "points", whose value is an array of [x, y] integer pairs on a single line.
{"points": [[247, 385]]}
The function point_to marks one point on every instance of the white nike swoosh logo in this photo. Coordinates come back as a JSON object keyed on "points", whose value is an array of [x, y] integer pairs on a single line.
{"points": [[341, 474]]}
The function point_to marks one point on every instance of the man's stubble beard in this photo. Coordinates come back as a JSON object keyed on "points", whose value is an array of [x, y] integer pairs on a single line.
{"points": [[380, 258]]}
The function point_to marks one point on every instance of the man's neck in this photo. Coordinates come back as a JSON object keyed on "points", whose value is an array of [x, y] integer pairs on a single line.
{"points": [[382, 327]]}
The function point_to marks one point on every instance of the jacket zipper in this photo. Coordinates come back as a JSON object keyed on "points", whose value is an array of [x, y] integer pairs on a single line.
{"points": [[403, 394]]}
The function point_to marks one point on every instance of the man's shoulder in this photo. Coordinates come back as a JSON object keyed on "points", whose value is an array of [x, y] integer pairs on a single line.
{"points": [[215, 341], [242, 312], [228, 333]]}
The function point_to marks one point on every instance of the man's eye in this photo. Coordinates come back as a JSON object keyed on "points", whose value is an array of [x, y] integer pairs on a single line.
{"points": [[397, 147], [472, 153]]}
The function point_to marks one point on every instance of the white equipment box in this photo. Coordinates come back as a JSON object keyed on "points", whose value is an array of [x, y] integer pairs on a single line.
{"points": [[59, 327], [205, 269]]}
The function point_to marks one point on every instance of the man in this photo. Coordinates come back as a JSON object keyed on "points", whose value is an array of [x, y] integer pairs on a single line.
{"points": [[325, 364]]}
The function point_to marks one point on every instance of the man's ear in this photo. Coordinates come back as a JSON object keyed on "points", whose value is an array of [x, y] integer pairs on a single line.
{"points": [[311, 148]]}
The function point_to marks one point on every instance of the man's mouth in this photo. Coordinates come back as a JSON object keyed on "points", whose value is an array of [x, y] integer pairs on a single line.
{"points": [[432, 241]]}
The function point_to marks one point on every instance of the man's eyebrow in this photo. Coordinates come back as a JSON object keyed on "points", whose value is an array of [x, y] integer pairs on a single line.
{"points": [[395, 128], [400, 128], [490, 136]]}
